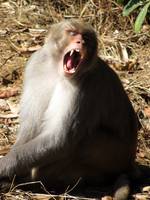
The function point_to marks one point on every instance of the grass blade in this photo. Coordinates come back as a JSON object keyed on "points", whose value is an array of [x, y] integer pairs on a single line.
{"points": [[140, 18], [131, 5]]}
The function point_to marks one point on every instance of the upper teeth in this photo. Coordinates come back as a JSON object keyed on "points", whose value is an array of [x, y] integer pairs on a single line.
{"points": [[71, 52]]}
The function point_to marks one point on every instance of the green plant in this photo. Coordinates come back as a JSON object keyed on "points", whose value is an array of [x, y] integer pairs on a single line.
{"points": [[142, 5]]}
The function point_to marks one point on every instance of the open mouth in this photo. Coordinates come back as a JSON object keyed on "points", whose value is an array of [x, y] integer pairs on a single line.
{"points": [[72, 59]]}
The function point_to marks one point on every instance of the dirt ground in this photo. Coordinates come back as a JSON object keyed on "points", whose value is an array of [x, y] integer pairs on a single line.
{"points": [[23, 26]]}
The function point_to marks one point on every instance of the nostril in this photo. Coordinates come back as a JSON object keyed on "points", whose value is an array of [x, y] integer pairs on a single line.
{"points": [[80, 42]]}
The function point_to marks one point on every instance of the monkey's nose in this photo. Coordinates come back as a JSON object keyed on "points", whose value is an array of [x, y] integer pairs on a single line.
{"points": [[79, 39], [80, 42]]}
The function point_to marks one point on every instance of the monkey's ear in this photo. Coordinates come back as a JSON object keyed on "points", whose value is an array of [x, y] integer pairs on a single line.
{"points": [[50, 32], [53, 29], [48, 36]]}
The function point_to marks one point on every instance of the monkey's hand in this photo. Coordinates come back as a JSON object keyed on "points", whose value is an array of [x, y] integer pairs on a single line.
{"points": [[7, 164]]}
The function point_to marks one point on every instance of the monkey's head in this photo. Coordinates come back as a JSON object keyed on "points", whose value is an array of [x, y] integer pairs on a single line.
{"points": [[74, 45]]}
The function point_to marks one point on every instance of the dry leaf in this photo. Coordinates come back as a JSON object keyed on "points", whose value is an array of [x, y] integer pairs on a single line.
{"points": [[147, 111], [9, 92], [107, 198]]}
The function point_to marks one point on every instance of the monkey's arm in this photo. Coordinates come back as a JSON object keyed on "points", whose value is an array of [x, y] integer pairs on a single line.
{"points": [[23, 157], [50, 140]]}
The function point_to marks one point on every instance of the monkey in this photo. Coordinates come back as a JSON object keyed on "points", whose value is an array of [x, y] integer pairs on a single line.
{"points": [[76, 120]]}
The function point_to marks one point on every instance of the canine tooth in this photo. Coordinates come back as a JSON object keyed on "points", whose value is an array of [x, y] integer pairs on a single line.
{"points": [[65, 66], [77, 50], [71, 52]]}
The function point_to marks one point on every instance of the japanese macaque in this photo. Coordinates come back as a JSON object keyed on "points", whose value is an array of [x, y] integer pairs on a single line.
{"points": [[76, 121]]}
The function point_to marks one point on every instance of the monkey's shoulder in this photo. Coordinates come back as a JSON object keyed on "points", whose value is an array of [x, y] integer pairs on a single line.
{"points": [[103, 76], [105, 70]]}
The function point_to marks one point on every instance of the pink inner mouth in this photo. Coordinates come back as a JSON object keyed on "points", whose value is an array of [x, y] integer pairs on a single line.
{"points": [[72, 60]]}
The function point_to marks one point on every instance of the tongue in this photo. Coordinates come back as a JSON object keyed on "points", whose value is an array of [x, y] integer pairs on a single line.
{"points": [[69, 64]]}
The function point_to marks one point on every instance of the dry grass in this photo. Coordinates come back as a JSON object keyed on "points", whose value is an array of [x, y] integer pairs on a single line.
{"points": [[24, 24]]}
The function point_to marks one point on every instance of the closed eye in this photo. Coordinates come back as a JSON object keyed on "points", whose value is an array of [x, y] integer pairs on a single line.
{"points": [[72, 33]]}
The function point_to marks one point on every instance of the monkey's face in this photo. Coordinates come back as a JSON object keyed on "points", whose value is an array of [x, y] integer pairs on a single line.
{"points": [[74, 46], [74, 53]]}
